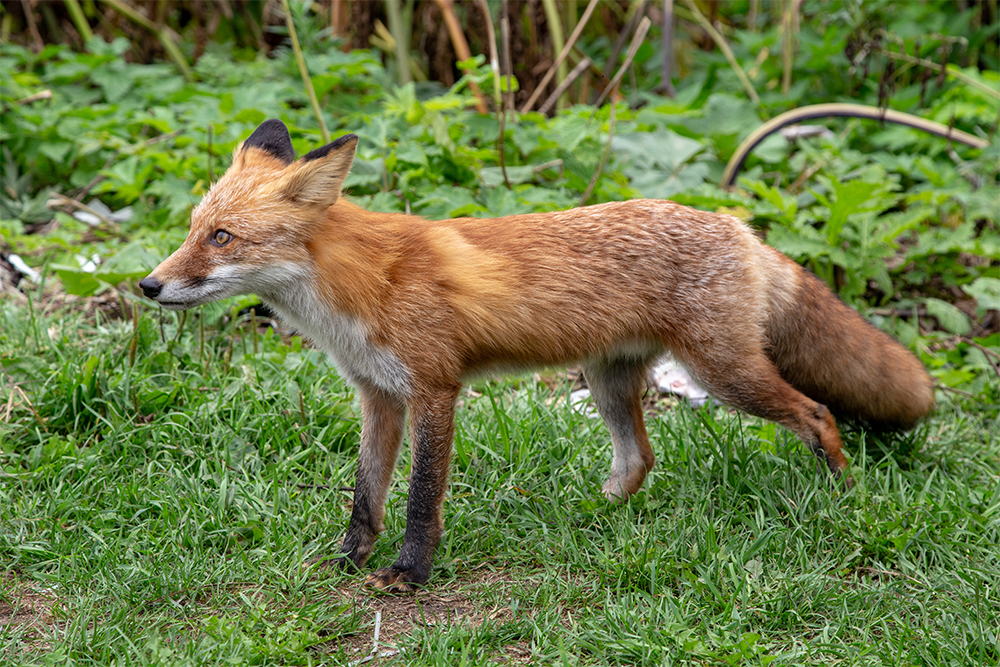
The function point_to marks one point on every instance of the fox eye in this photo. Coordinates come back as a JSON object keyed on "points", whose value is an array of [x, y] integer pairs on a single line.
{"points": [[221, 237]]}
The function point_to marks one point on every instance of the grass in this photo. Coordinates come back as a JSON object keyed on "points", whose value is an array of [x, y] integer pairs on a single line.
{"points": [[161, 485]]}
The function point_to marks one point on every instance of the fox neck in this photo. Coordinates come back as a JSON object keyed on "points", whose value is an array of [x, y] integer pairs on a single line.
{"points": [[331, 296]]}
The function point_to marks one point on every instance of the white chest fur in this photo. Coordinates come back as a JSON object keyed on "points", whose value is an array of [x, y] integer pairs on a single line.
{"points": [[340, 335]]}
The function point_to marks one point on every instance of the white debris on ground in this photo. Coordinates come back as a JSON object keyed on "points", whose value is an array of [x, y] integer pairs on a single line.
{"points": [[580, 400], [100, 212], [667, 377], [26, 271]]}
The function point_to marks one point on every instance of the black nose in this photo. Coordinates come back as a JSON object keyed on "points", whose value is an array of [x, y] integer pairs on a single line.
{"points": [[151, 287]]}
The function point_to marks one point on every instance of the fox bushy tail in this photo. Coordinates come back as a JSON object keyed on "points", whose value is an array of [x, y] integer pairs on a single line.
{"points": [[831, 354]]}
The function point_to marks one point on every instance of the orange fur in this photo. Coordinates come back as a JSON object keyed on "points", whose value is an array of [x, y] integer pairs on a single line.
{"points": [[409, 308]]}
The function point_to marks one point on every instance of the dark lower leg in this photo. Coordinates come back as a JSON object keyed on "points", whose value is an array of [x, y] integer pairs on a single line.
{"points": [[432, 428]]}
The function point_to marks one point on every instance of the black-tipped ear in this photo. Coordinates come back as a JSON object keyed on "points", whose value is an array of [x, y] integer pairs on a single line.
{"points": [[272, 138], [316, 179], [323, 151]]}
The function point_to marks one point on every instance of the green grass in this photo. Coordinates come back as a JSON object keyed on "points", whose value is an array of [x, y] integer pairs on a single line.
{"points": [[157, 502]]}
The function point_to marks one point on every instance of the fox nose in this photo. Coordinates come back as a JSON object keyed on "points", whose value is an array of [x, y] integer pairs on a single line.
{"points": [[151, 287]]}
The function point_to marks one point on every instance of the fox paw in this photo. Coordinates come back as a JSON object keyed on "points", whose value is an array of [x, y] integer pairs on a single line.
{"points": [[615, 490], [394, 580]]}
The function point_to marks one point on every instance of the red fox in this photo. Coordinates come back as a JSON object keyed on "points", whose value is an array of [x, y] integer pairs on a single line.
{"points": [[409, 308]]}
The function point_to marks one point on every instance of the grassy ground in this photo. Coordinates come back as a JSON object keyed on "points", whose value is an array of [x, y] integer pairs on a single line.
{"points": [[160, 487]]}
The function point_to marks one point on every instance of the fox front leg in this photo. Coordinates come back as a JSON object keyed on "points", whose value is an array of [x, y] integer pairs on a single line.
{"points": [[382, 419], [432, 427]]}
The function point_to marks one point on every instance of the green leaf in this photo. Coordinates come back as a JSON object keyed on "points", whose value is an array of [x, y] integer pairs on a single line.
{"points": [[134, 261], [986, 292], [493, 176], [77, 281], [772, 150], [948, 316]]}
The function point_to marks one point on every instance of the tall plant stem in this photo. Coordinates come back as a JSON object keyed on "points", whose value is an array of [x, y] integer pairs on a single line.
{"points": [[789, 27], [667, 42], [607, 149], [556, 32], [304, 71], [461, 46], [949, 70], [560, 59], [394, 13], [491, 38], [720, 41], [79, 20]]}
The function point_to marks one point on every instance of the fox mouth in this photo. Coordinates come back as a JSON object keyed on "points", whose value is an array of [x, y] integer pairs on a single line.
{"points": [[177, 305]]}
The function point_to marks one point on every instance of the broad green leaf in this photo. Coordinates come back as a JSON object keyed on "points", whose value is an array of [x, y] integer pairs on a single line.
{"points": [[76, 281], [948, 316], [493, 176], [986, 292]]}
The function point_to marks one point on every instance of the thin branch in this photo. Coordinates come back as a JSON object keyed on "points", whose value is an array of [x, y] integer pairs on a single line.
{"points": [[537, 92], [640, 34], [567, 82], [838, 109], [607, 152], [29, 15], [946, 69], [460, 45]]}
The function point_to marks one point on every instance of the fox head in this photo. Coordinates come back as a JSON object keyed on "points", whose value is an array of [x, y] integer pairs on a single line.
{"points": [[255, 220]]}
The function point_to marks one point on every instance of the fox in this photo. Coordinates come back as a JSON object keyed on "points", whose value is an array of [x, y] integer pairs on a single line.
{"points": [[408, 309]]}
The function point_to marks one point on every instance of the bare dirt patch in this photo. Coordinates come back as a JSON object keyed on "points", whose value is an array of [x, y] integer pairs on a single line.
{"points": [[399, 615], [26, 609]]}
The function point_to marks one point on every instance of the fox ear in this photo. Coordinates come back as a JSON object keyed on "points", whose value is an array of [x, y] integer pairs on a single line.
{"points": [[272, 138], [318, 175]]}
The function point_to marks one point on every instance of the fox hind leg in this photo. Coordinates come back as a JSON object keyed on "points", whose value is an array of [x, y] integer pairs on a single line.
{"points": [[617, 385], [746, 379]]}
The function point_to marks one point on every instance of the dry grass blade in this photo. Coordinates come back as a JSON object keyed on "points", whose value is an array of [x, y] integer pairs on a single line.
{"points": [[304, 71], [461, 45], [559, 60], [557, 93], [611, 136], [667, 42], [945, 69], [627, 30], [640, 34]]}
